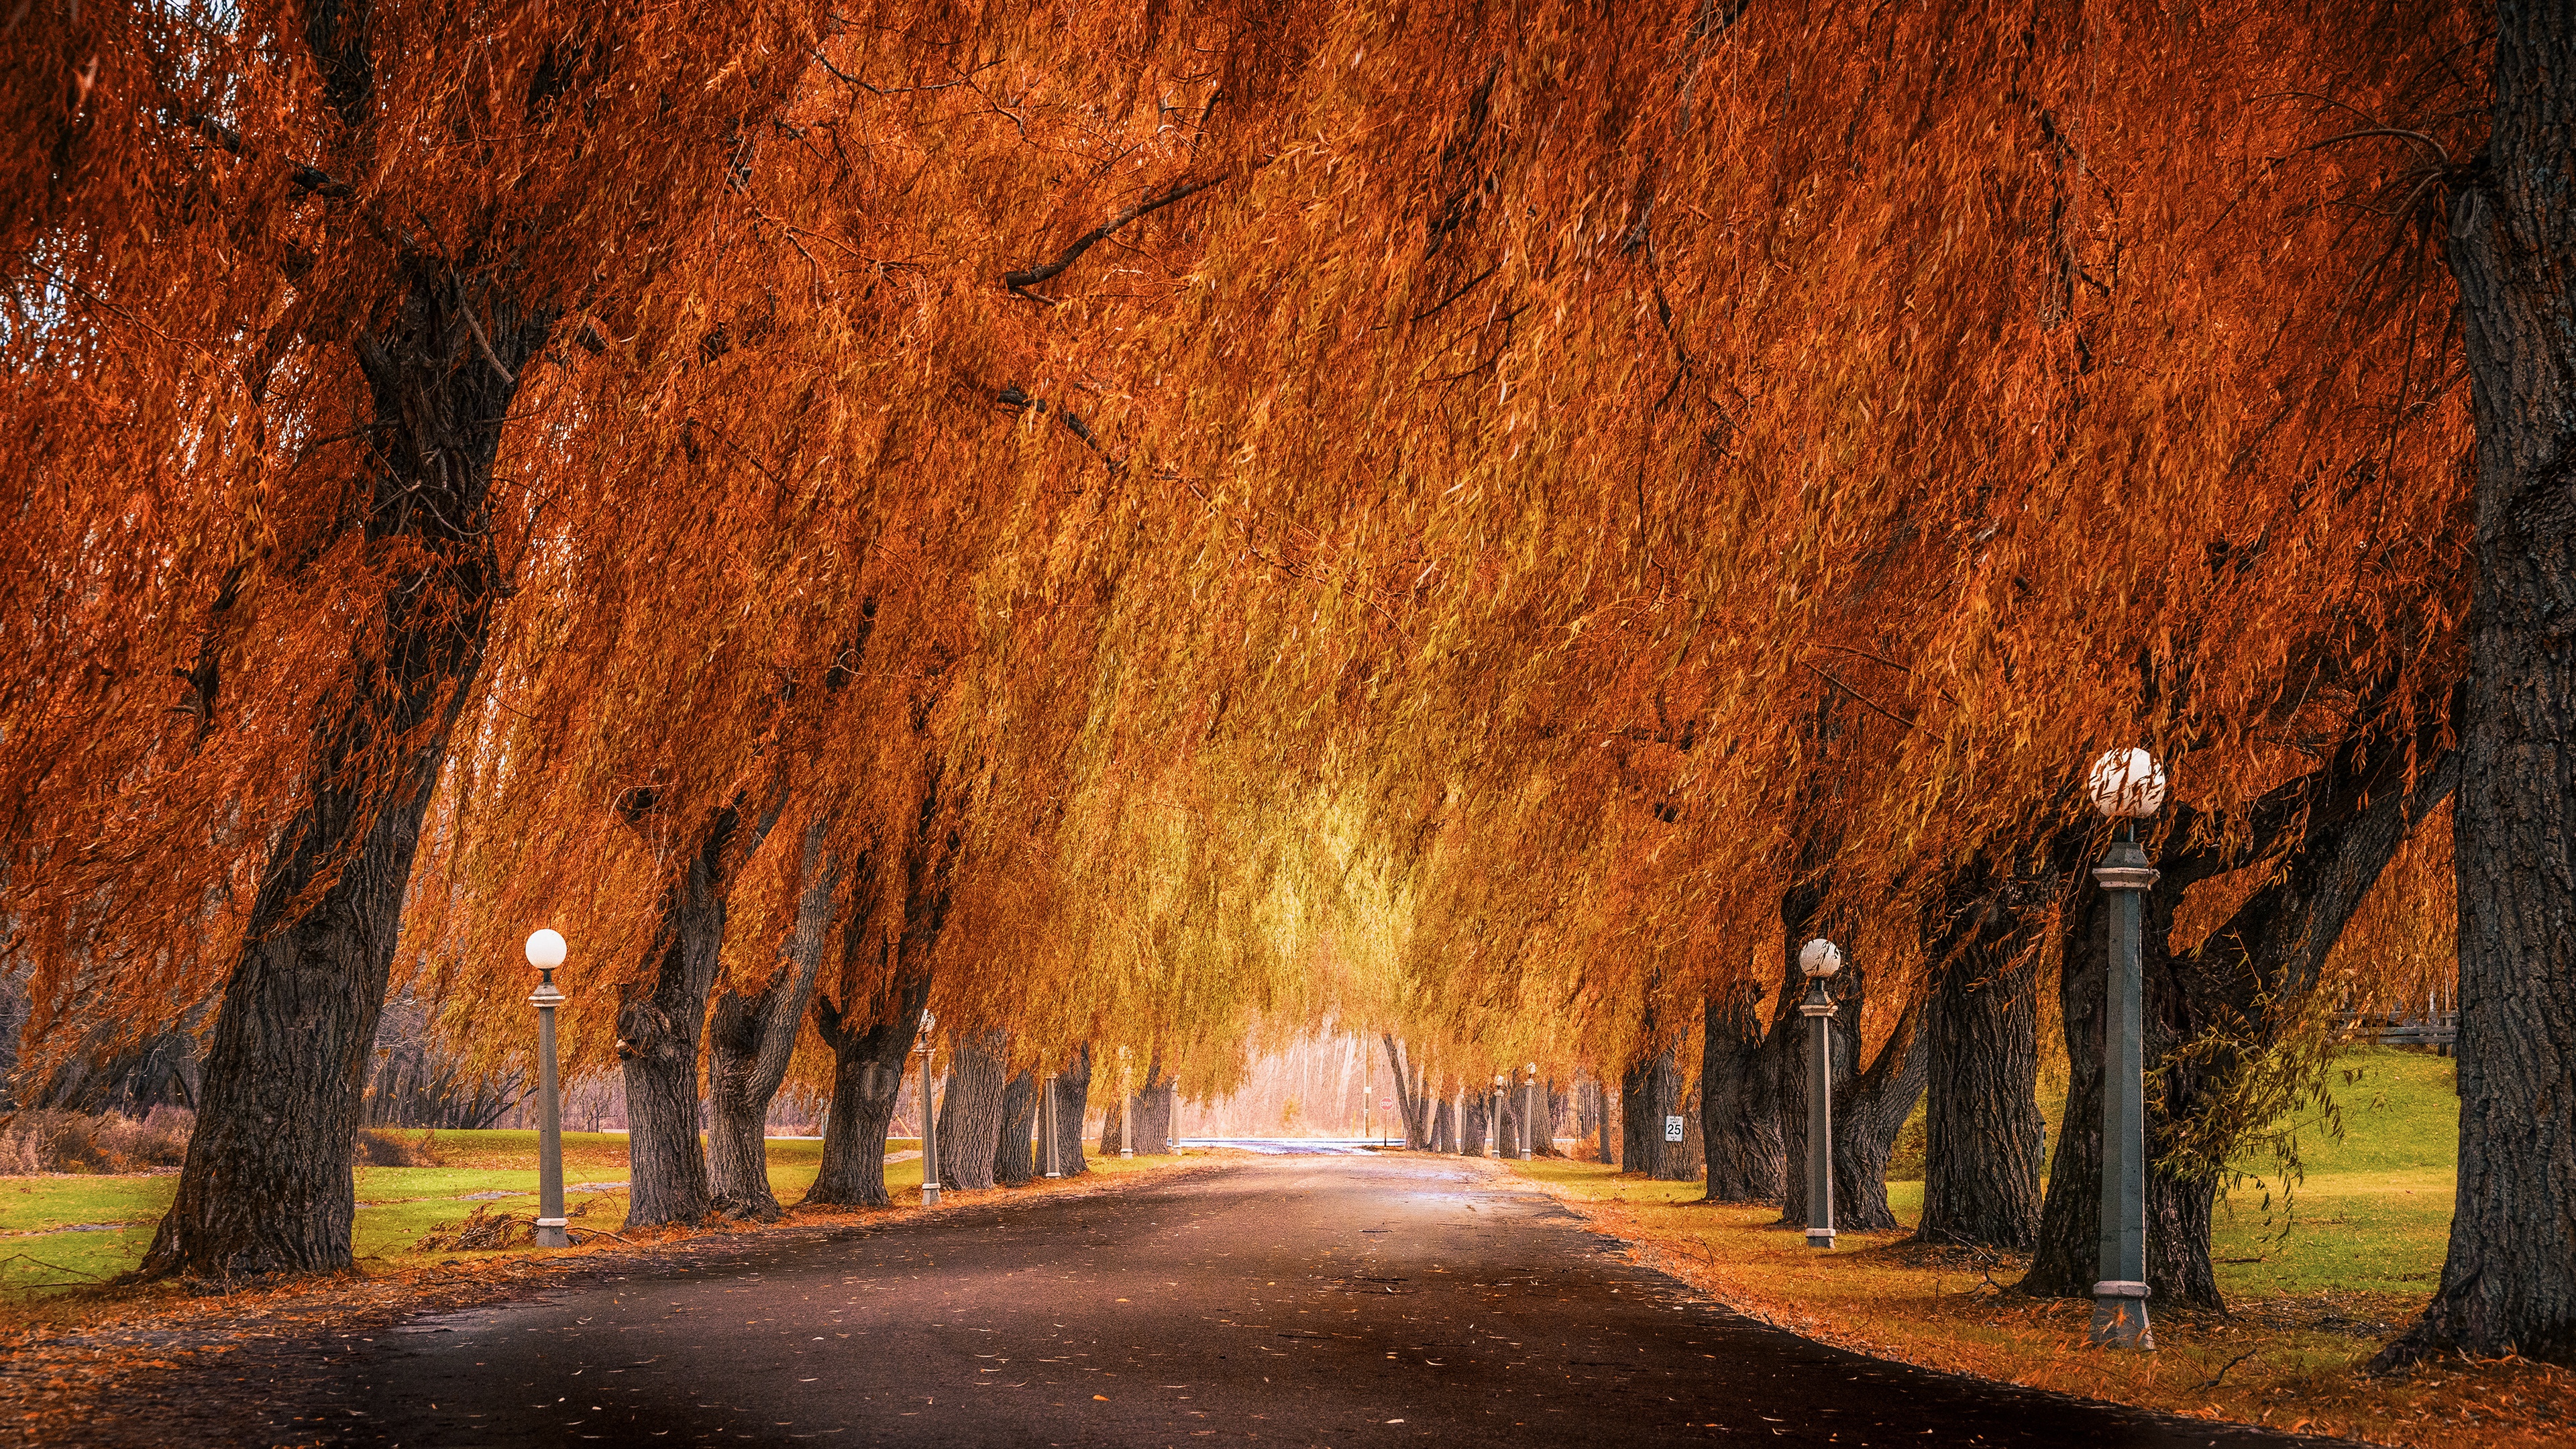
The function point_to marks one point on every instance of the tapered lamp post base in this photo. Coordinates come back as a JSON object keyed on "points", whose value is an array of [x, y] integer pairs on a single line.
{"points": [[2120, 1317]]}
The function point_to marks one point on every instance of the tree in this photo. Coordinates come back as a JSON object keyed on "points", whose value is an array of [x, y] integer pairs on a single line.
{"points": [[970, 1111], [1739, 1115], [2509, 1280], [752, 1035]]}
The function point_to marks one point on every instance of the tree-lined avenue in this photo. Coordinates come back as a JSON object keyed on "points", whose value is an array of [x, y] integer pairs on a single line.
{"points": [[1299, 1299]]}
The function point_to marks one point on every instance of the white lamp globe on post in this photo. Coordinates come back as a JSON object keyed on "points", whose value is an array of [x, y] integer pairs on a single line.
{"points": [[546, 952], [2127, 786], [1820, 959]]}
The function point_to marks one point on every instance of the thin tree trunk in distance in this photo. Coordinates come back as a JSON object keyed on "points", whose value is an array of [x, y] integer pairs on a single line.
{"points": [[970, 1113], [1738, 1106], [1608, 1113], [266, 1185], [1013, 1162], [1072, 1101], [1412, 1095], [751, 1037], [2509, 1280]]}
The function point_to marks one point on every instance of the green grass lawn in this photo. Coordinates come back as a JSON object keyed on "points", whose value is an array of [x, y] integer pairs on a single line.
{"points": [[396, 1205], [2370, 1209]]}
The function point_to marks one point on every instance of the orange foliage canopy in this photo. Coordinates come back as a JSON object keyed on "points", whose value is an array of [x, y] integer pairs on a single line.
{"points": [[1343, 509]]}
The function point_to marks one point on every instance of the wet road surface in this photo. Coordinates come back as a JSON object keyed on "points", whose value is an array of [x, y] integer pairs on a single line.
{"points": [[1382, 1300]]}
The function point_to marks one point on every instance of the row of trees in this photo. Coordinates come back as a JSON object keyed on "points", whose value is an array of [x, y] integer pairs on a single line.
{"points": [[1157, 526]]}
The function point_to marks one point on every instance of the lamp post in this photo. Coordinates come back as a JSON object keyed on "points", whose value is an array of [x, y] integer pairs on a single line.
{"points": [[1820, 959], [929, 1117], [1047, 1146], [1126, 1106], [1529, 1111], [2127, 786], [546, 952]]}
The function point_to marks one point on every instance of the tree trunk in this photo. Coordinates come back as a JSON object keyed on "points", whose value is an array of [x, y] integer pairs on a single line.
{"points": [[1608, 1113], [867, 1073], [1072, 1100], [266, 1184], [1150, 1113], [2067, 1257], [1738, 1103], [970, 1113], [1477, 1124], [1982, 1128], [660, 1022], [2509, 1280], [1868, 1115], [1444, 1128], [1014, 1165], [751, 1037], [1652, 1090], [1869, 1108], [1412, 1096]]}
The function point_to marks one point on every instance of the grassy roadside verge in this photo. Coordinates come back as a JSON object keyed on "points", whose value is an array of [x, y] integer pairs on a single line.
{"points": [[62, 1236], [2286, 1354], [87, 1365]]}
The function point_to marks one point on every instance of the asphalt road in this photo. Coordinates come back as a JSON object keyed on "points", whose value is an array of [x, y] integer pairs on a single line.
{"points": [[1385, 1300]]}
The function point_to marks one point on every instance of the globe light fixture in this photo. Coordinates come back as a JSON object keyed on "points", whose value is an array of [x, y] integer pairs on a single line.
{"points": [[546, 952], [1820, 959], [2127, 786]]}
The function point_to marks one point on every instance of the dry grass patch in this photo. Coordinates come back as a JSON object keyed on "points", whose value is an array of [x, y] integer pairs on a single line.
{"points": [[2290, 1361]]}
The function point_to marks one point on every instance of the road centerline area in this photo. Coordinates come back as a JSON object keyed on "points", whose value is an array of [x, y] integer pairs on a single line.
{"points": [[1342, 1300]]}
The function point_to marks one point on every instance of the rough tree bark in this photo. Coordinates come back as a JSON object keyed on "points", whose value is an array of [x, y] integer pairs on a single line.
{"points": [[1607, 1114], [2509, 1280], [1739, 1119], [661, 1020], [266, 1184], [970, 1112], [1444, 1127], [1652, 1091], [1983, 1133], [751, 1036], [1072, 1101], [1014, 1164], [1150, 1113], [1869, 1107], [867, 1072]]}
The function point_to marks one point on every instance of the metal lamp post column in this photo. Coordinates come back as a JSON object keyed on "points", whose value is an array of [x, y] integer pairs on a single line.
{"points": [[1820, 959], [1530, 1106], [1047, 1137], [2126, 785], [1126, 1105], [929, 1117], [546, 952]]}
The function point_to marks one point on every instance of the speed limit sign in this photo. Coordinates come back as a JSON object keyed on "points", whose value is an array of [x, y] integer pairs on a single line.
{"points": [[1672, 1129]]}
